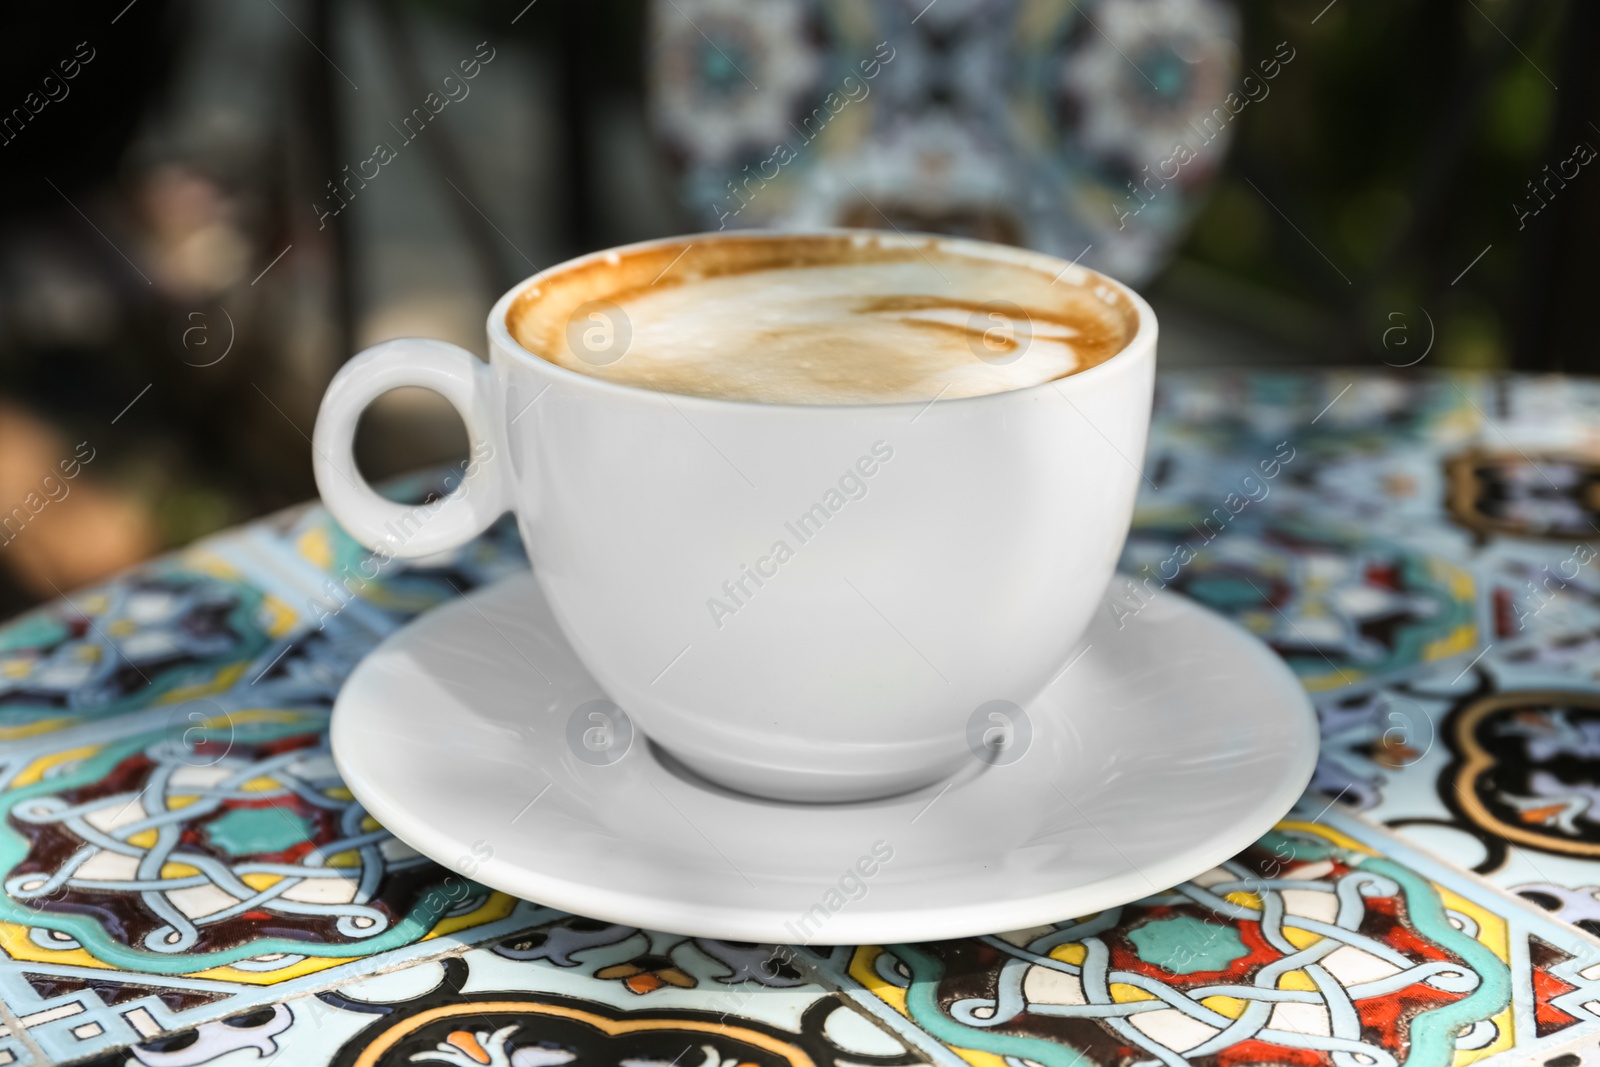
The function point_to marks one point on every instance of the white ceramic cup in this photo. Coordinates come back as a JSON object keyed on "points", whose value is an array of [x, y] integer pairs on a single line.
{"points": [[939, 556]]}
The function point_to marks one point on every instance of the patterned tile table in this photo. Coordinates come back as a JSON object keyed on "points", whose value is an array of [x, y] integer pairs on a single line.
{"points": [[187, 881]]}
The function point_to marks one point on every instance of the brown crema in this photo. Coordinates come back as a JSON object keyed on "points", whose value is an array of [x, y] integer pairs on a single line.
{"points": [[830, 318]]}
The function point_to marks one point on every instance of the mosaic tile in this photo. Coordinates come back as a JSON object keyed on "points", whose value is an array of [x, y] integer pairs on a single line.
{"points": [[339, 577], [1340, 607], [1326, 943], [1054, 177], [177, 870], [1491, 765], [568, 989], [186, 881], [1511, 493], [180, 628]]}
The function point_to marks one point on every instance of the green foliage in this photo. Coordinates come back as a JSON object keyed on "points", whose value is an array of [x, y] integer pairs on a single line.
{"points": [[1395, 146]]}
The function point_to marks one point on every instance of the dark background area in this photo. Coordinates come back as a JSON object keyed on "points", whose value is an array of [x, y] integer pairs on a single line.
{"points": [[169, 303]]}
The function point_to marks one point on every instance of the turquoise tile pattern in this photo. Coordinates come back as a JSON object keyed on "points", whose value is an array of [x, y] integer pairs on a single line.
{"points": [[186, 880]]}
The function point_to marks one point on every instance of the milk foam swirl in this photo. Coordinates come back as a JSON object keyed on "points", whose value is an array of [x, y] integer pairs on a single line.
{"points": [[824, 319]]}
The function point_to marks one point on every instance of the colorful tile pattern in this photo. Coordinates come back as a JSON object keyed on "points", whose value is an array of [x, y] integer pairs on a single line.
{"points": [[186, 880], [1327, 942], [1017, 122], [177, 630]]}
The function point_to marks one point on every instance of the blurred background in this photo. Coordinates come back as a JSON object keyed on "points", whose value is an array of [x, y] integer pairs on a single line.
{"points": [[211, 204]]}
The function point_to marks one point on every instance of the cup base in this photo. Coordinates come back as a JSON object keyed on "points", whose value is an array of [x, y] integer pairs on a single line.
{"points": [[800, 787]]}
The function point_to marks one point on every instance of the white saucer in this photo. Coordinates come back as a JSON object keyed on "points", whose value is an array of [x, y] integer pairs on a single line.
{"points": [[1169, 746]]}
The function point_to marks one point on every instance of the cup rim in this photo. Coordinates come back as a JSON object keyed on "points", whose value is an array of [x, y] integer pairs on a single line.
{"points": [[1143, 341]]}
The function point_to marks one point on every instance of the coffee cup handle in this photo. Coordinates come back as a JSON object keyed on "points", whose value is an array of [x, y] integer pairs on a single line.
{"points": [[383, 525]]}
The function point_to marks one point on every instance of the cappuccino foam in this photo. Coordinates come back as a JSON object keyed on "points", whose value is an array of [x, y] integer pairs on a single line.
{"points": [[822, 319]]}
